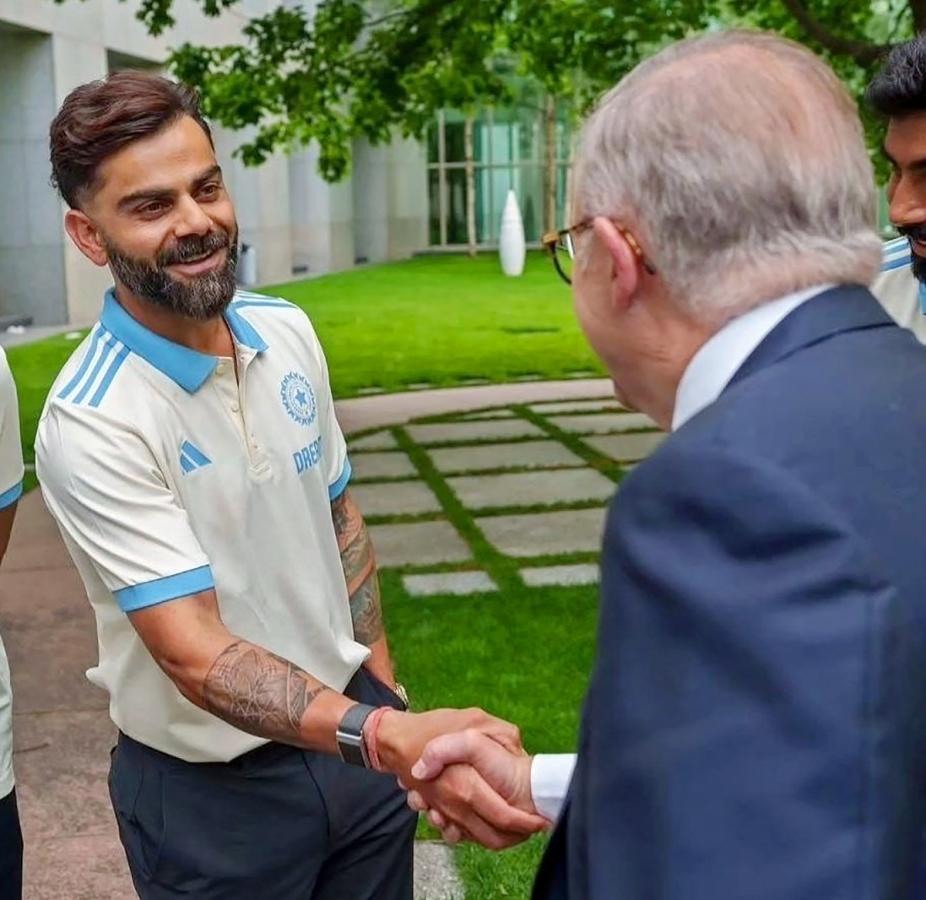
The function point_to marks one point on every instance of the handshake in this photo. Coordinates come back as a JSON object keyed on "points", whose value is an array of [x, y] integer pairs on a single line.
{"points": [[467, 769]]}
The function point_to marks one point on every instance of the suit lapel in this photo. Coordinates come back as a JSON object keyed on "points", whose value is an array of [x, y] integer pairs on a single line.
{"points": [[842, 309]]}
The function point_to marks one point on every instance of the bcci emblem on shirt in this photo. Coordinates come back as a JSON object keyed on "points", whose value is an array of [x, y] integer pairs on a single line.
{"points": [[300, 405], [298, 398]]}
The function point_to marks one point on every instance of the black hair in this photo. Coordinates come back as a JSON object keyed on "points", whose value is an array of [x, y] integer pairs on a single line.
{"points": [[899, 89]]}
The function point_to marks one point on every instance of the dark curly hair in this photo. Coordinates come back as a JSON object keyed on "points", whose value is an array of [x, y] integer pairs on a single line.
{"points": [[100, 118], [899, 89]]}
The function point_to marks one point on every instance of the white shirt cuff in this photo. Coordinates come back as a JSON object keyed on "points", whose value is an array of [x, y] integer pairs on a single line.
{"points": [[550, 777]]}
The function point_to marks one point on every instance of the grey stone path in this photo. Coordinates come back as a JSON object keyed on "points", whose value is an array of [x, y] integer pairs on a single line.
{"points": [[523, 474]]}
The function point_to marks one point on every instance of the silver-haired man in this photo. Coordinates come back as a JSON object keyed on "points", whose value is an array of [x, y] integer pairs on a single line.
{"points": [[754, 726]]}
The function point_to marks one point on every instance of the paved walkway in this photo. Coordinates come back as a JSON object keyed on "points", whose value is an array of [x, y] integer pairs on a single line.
{"points": [[62, 729]]}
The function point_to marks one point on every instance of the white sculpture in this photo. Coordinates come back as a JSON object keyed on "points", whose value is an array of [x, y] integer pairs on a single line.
{"points": [[511, 244]]}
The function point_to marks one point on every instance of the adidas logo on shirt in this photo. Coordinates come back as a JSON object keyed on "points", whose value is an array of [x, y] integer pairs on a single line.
{"points": [[192, 457]]}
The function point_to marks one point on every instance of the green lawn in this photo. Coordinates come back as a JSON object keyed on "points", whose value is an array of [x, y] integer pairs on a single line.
{"points": [[442, 319], [436, 319], [525, 656]]}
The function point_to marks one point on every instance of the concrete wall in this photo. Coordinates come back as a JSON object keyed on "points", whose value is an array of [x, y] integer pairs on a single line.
{"points": [[322, 217], [390, 200], [296, 221], [32, 276]]}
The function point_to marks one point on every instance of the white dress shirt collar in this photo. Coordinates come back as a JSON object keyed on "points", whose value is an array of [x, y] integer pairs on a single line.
{"points": [[718, 360]]}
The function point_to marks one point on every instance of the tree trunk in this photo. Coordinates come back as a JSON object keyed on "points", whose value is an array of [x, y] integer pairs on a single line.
{"points": [[918, 8], [549, 174], [570, 176], [470, 185]]}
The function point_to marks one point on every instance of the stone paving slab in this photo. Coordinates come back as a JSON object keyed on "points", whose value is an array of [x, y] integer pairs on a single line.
{"points": [[435, 873], [489, 415], [604, 423], [576, 406], [380, 440], [531, 488], [526, 454], [541, 534], [405, 498], [459, 584], [561, 576], [629, 447], [391, 464], [473, 431], [61, 762], [50, 637], [88, 867], [361, 413], [418, 543]]}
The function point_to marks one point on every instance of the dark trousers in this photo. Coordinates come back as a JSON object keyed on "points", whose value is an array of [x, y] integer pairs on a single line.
{"points": [[278, 823], [11, 849]]}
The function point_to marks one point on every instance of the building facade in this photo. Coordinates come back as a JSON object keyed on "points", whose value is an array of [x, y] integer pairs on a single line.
{"points": [[297, 224]]}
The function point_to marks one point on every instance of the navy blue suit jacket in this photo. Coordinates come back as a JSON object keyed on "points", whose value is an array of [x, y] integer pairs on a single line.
{"points": [[754, 725]]}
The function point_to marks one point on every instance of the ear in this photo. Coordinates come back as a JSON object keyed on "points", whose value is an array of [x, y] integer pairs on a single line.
{"points": [[85, 236], [625, 270]]}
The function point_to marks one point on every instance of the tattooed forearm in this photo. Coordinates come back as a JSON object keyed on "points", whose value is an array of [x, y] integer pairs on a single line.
{"points": [[359, 566], [366, 612], [259, 692]]}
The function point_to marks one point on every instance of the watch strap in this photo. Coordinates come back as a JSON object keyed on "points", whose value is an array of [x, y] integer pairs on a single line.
{"points": [[351, 744]]}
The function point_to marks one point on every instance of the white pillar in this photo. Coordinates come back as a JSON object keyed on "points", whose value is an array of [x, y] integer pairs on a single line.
{"points": [[32, 280]]}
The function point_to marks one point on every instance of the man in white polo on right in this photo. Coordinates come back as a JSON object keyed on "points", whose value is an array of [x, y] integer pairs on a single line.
{"points": [[898, 93]]}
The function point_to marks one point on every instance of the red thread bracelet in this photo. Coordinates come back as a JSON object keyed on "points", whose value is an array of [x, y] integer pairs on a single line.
{"points": [[370, 729]]}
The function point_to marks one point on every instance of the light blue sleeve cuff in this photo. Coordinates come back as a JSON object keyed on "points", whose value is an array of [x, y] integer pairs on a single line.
{"points": [[335, 490], [151, 593], [8, 498]]}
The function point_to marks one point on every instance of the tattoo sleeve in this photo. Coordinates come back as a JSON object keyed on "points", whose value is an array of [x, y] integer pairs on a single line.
{"points": [[259, 692], [359, 567]]}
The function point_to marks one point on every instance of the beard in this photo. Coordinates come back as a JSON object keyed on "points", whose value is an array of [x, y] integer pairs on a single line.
{"points": [[201, 297], [916, 233]]}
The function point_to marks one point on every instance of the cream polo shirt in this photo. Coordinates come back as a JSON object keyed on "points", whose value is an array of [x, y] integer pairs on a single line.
{"points": [[168, 476], [898, 290], [11, 487]]}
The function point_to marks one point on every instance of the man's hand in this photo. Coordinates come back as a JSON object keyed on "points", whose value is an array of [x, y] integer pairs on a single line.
{"points": [[462, 794], [402, 736], [462, 769]]}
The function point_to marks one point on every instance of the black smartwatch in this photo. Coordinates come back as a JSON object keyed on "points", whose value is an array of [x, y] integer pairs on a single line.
{"points": [[351, 743]]}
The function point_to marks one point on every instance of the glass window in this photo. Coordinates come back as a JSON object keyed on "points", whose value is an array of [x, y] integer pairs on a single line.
{"points": [[454, 137], [528, 130], [530, 196], [508, 151], [455, 146], [500, 142], [434, 143], [434, 207], [483, 205], [456, 206], [482, 135]]}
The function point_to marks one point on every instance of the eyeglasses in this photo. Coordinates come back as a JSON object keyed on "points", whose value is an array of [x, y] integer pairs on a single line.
{"points": [[562, 247]]}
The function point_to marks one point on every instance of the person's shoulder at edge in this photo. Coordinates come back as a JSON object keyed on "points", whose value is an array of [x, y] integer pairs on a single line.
{"points": [[895, 254]]}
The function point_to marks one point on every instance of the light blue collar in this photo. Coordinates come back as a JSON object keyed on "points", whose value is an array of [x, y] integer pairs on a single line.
{"points": [[923, 297], [188, 368]]}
